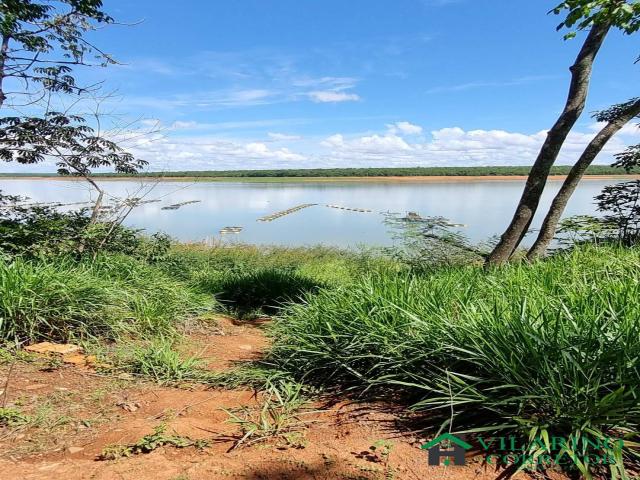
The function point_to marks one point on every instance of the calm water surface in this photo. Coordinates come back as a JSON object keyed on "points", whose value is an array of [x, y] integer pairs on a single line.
{"points": [[485, 207]]}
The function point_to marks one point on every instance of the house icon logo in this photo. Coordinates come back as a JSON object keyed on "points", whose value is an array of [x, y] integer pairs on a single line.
{"points": [[455, 448]]}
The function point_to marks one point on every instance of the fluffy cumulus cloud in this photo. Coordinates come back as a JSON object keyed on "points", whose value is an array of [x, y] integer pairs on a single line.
{"points": [[400, 144], [186, 146], [404, 128], [457, 147], [166, 153], [630, 129]]}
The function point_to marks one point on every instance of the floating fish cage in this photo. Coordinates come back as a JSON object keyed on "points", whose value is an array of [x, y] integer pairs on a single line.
{"points": [[275, 216], [412, 217], [359, 210], [230, 230], [176, 206]]}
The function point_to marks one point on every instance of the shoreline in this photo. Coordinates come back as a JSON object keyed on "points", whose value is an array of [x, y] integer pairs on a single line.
{"points": [[380, 179]]}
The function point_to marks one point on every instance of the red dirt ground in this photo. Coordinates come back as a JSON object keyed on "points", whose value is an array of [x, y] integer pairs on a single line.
{"points": [[82, 412]]}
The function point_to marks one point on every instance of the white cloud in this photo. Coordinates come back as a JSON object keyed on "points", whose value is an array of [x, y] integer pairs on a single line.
{"points": [[336, 140], [381, 143], [213, 99], [397, 146], [150, 122], [331, 96], [404, 128], [630, 129], [282, 137], [452, 146], [455, 146], [261, 151], [328, 83], [166, 153]]}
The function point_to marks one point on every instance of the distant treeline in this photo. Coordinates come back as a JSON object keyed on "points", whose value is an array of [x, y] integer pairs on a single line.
{"points": [[384, 172], [363, 172]]}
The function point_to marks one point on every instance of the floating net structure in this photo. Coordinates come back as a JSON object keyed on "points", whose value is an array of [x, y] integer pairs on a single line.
{"points": [[276, 215], [359, 210]]}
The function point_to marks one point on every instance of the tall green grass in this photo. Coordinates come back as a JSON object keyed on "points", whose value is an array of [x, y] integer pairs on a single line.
{"points": [[205, 267], [61, 299], [551, 348], [251, 280], [263, 291]]}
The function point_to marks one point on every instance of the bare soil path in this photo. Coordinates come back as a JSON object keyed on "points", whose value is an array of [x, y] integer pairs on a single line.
{"points": [[81, 413]]}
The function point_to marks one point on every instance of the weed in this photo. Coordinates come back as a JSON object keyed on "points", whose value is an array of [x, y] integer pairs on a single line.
{"points": [[62, 299], [278, 418], [11, 417], [149, 443]]}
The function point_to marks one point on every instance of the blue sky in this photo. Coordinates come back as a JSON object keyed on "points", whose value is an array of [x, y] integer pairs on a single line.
{"points": [[335, 83]]}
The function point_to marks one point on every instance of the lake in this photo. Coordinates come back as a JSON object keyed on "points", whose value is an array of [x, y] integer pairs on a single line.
{"points": [[483, 206]]}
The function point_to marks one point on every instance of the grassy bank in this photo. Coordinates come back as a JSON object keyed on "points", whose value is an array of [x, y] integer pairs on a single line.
{"points": [[549, 349], [62, 298]]}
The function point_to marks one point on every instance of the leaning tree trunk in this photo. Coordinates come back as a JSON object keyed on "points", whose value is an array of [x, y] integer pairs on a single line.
{"points": [[550, 224], [580, 77], [4, 48]]}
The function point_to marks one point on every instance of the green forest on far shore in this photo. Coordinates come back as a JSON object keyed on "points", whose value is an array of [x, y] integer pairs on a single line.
{"points": [[357, 172]]}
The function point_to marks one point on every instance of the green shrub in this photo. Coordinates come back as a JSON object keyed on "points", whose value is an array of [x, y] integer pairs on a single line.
{"points": [[551, 348]]}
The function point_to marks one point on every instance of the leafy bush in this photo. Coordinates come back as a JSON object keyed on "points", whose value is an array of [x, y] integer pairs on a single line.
{"points": [[43, 231], [432, 242], [551, 348]]}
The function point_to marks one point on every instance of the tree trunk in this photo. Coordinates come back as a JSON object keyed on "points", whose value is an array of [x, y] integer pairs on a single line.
{"points": [[580, 77], [95, 213], [4, 48], [548, 230]]}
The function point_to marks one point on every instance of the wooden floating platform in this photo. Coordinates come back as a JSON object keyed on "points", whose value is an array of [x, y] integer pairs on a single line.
{"points": [[230, 230], [176, 206], [359, 210], [275, 216]]}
